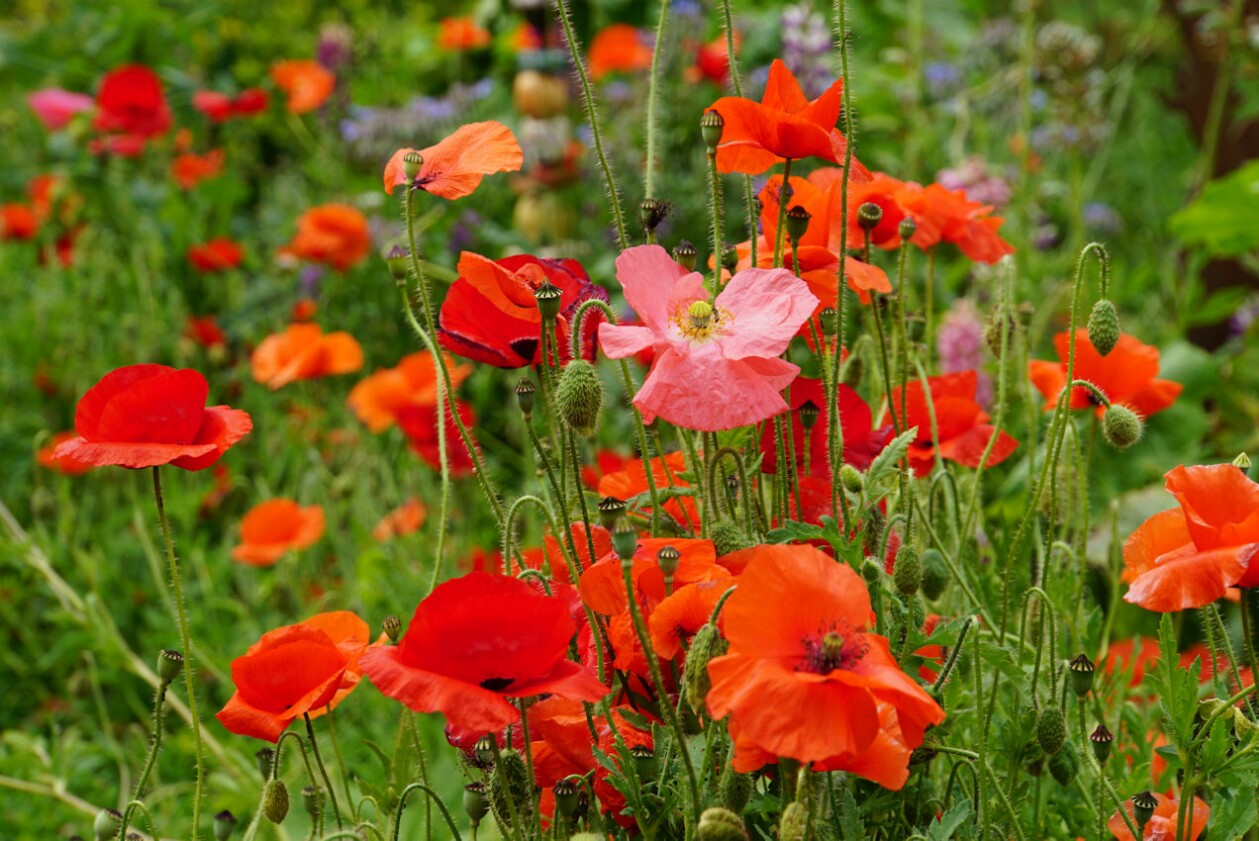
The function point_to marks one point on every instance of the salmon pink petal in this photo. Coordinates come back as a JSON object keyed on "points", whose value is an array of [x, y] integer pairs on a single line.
{"points": [[56, 107], [647, 275], [768, 306], [619, 342], [707, 392]]}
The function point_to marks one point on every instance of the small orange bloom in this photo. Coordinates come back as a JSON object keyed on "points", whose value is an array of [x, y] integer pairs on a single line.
{"points": [[333, 234], [377, 398], [274, 527], [617, 48], [17, 221], [303, 352], [217, 255], [67, 464], [631, 481], [304, 309], [952, 217], [1127, 375], [404, 519], [190, 169], [454, 167], [891, 195], [307, 84], [962, 424], [1163, 824], [459, 34]]}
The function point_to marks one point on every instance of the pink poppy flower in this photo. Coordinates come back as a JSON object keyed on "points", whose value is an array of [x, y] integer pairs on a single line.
{"points": [[56, 107], [717, 363]]}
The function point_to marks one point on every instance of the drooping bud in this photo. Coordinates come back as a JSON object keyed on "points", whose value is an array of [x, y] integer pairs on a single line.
{"points": [[809, 412], [475, 803], [565, 797], [275, 801], [651, 212], [1101, 739], [609, 509], [871, 571], [399, 262], [797, 219], [392, 626], [548, 297], [907, 572], [106, 824], [685, 254], [411, 163], [705, 645], [525, 390], [906, 228], [169, 664], [1103, 328], [265, 759], [624, 539], [851, 479], [794, 823], [727, 537], [1051, 730], [579, 396], [935, 574], [224, 825], [1121, 426], [312, 799], [1143, 805], [734, 789], [711, 126], [1065, 764], [668, 559], [718, 824], [510, 779], [869, 215]]}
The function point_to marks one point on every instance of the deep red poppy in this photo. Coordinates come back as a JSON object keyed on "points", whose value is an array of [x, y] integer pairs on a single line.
{"points": [[1127, 375], [217, 255], [962, 423], [205, 331], [477, 641], [862, 442], [17, 221], [130, 102], [491, 313], [419, 424], [250, 101], [147, 415], [217, 107], [454, 167]]}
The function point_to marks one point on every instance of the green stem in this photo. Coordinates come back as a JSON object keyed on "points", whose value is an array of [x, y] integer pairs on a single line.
{"points": [[652, 97], [149, 762], [402, 804], [780, 233], [714, 186], [323, 770]]}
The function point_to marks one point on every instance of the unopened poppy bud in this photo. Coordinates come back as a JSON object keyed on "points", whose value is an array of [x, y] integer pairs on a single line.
{"points": [[871, 571], [169, 664], [586, 836], [624, 539], [1104, 326], [1101, 739], [907, 572], [392, 627], [794, 823], [651, 212], [1143, 805], [906, 228], [411, 163], [705, 645], [275, 801], [312, 799], [1082, 670], [1065, 764], [265, 759], [935, 575], [579, 396], [869, 215], [827, 316], [809, 412], [224, 825], [1051, 730], [667, 559], [609, 509], [851, 479], [734, 790], [797, 222], [711, 126], [1121, 426], [565, 797], [475, 803], [1242, 462], [645, 762], [106, 824], [727, 537], [548, 297], [729, 258], [686, 255], [510, 779], [399, 262], [525, 390], [852, 372], [483, 751], [718, 824]]}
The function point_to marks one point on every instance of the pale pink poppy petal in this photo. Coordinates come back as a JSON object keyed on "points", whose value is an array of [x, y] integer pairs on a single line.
{"points": [[647, 275], [769, 306], [618, 341], [707, 392], [56, 107], [777, 373]]}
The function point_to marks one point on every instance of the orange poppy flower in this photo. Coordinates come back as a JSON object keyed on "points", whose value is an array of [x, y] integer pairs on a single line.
{"points": [[951, 217], [333, 234], [405, 519], [962, 423], [453, 168], [303, 669], [602, 586], [303, 352], [1127, 375], [617, 48], [377, 398], [189, 169], [69, 465], [274, 527], [783, 124], [803, 678], [682, 613], [217, 255], [631, 481], [462, 33], [552, 554], [1189, 556], [892, 197], [304, 309], [1164, 823], [307, 84]]}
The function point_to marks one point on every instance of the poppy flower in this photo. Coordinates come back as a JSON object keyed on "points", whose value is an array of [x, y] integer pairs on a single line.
{"points": [[893, 197], [274, 527], [303, 669], [617, 48], [333, 234], [419, 424], [378, 398], [491, 311], [131, 103], [1189, 556], [552, 554], [602, 586], [717, 365], [681, 614], [477, 641], [803, 678], [459, 34], [630, 481], [304, 309], [307, 84], [453, 168], [148, 415], [1128, 375], [950, 216], [217, 255], [217, 107], [205, 331], [862, 442], [963, 426], [250, 101], [406, 518], [1164, 823], [606, 461], [69, 465], [18, 222], [190, 169], [55, 107], [782, 125], [303, 352], [712, 61]]}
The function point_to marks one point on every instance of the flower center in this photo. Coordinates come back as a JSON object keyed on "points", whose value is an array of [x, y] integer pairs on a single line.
{"points": [[700, 321], [832, 650]]}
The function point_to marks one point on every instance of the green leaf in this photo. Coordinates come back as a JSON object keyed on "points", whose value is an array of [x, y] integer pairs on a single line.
{"points": [[1222, 219], [885, 463], [1232, 815], [943, 827], [1218, 744], [1178, 688], [851, 827]]}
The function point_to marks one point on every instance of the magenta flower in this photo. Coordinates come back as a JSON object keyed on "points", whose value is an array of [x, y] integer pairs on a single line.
{"points": [[56, 107], [717, 363]]}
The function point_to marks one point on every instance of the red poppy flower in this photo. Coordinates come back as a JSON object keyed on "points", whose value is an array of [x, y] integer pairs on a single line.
{"points": [[1127, 375], [454, 167], [459, 34], [712, 61], [631, 482], [893, 197], [190, 169], [477, 641], [147, 415], [491, 313], [861, 441], [302, 669], [682, 613], [131, 103], [217, 107], [250, 101], [379, 397], [552, 555], [962, 423], [275, 527], [333, 234], [617, 48], [783, 124], [804, 679], [602, 586], [606, 461], [217, 255], [405, 519], [17, 221], [69, 465], [950, 216], [205, 331], [1189, 556], [1164, 823], [303, 352], [419, 424], [307, 84]]}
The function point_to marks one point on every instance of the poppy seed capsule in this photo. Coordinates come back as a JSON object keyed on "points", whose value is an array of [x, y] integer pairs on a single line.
{"points": [[906, 228], [609, 509], [907, 573], [169, 664], [711, 126], [718, 824], [525, 390], [667, 559], [475, 803], [106, 823], [1242, 462], [1143, 805], [565, 797], [275, 801], [411, 163], [809, 412], [1103, 327], [1051, 730], [548, 297], [729, 258], [398, 260], [1101, 739], [686, 255], [312, 799], [1082, 670], [827, 316], [579, 396], [624, 539], [797, 222], [483, 751], [1121, 426], [224, 825], [869, 215], [644, 762], [392, 626]]}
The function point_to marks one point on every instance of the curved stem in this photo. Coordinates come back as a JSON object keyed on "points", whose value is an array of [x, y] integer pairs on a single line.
{"points": [[402, 804], [323, 771], [149, 763]]}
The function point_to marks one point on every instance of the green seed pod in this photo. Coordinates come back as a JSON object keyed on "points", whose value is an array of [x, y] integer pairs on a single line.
{"points": [[734, 790], [1104, 326], [609, 509], [1065, 764], [907, 227], [729, 258], [392, 626], [1101, 738], [797, 219], [935, 574], [1082, 670], [579, 396], [399, 262], [106, 824], [907, 573], [411, 163], [224, 825], [312, 799], [275, 801], [624, 539], [727, 537], [548, 297], [827, 317], [265, 759], [1143, 806], [645, 764], [565, 797], [169, 664], [809, 412], [651, 212], [852, 480], [1051, 730], [869, 215], [525, 391], [705, 645], [668, 559], [794, 823], [711, 126], [475, 804], [718, 824], [1121, 426], [686, 255], [510, 779]]}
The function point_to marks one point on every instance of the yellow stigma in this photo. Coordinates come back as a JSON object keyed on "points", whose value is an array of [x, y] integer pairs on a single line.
{"points": [[699, 314]]}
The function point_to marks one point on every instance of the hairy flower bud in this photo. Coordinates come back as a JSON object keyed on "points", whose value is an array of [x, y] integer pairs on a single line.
{"points": [[265, 759], [734, 789], [579, 396], [1121, 426], [705, 645], [794, 823], [106, 824], [718, 824], [935, 574], [1065, 764], [275, 800], [312, 799], [1051, 730], [510, 779], [1103, 328], [727, 537], [907, 573]]}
